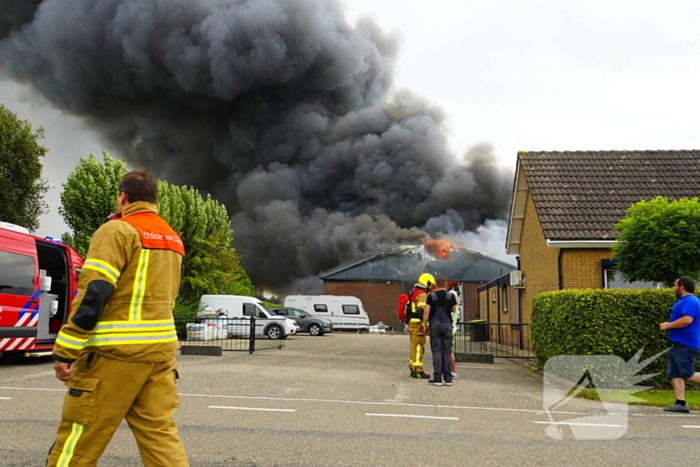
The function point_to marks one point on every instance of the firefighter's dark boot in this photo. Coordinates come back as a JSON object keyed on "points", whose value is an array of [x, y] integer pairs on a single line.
{"points": [[417, 374]]}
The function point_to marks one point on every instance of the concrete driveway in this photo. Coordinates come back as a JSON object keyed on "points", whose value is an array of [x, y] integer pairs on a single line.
{"points": [[347, 400]]}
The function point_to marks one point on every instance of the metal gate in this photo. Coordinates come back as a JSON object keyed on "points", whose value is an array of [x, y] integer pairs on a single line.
{"points": [[483, 341], [211, 336]]}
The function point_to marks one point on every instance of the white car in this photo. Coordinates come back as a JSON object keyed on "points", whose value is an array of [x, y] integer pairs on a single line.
{"points": [[238, 310]]}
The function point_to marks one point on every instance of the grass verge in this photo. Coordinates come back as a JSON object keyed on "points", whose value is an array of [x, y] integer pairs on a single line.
{"points": [[655, 397]]}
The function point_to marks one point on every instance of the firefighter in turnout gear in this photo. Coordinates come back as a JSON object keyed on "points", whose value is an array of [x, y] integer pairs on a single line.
{"points": [[116, 352], [414, 317]]}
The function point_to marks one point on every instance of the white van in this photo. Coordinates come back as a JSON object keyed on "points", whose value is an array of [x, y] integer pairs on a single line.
{"points": [[239, 307], [345, 312]]}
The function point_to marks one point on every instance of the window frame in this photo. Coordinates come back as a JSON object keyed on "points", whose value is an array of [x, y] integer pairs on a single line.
{"points": [[20, 275]]}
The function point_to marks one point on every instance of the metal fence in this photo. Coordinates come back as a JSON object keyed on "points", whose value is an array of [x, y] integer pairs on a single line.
{"points": [[502, 340], [203, 336]]}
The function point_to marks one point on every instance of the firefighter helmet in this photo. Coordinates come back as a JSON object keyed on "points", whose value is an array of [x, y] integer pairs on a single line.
{"points": [[427, 280]]}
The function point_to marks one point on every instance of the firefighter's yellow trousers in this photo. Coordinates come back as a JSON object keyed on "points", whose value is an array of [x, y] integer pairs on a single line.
{"points": [[415, 330], [105, 391]]}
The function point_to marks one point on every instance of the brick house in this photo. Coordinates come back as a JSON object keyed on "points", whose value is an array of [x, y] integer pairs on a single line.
{"points": [[380, 279], [565, 206], [498, 301]]}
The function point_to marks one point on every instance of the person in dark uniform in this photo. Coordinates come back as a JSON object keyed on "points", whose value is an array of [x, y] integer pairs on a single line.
{"points": [[437, 322]]}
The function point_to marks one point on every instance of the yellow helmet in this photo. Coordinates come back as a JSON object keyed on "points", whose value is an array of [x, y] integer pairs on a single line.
{"points": [[427, 280]]}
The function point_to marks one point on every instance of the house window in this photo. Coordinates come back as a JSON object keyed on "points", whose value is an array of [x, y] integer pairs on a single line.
{"points": [[612, 278], [505, 299], [495, 296]]}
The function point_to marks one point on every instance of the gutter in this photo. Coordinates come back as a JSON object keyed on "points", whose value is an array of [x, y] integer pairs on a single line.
{"points": [[580, 243]]}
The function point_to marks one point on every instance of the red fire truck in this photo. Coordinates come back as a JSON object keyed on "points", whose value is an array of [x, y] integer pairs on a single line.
{"points": [[38, 280]]}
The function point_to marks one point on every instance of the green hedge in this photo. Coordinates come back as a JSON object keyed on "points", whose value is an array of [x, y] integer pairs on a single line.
{"points": [[603, 322]]}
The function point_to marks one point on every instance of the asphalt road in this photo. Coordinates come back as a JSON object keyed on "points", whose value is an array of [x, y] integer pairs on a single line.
{"points": [[347, 400]]}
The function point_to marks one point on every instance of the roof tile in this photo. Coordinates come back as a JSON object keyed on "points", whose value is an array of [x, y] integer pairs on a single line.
{"points": [[580, 195]]}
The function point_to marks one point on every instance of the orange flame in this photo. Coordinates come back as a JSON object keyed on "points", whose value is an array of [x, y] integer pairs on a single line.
{"points": [[440, 248]]}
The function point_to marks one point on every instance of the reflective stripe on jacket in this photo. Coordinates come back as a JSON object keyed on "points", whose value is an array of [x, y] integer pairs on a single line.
{"points": [[137, 322], [418, 299]]}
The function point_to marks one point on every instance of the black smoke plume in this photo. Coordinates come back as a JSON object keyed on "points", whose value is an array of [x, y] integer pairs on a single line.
{"points": [[278, 108]]}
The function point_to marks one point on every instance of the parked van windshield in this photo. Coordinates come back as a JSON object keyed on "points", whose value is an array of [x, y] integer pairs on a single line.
{"points": [[16, 274]]}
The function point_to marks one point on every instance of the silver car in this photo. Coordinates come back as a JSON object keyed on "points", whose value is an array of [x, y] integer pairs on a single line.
{"points": [[306, 321]]}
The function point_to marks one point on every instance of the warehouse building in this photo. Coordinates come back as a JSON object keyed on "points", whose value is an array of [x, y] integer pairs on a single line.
{"points": [[380, 279]]}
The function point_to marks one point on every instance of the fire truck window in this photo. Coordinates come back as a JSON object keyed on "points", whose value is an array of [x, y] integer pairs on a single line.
{"points": [[16, 274]]}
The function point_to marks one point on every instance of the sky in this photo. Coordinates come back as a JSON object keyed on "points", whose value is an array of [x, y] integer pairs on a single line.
{"points": [[519, 75]]}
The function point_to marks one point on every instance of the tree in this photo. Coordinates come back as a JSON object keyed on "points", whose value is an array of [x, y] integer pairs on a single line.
{"points": [[659, 240], [22, 188], [89, 196], [211, 266], [193, 217]]}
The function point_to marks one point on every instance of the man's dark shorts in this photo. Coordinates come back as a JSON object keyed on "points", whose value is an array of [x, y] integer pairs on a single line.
{"points": [[681, 361]]}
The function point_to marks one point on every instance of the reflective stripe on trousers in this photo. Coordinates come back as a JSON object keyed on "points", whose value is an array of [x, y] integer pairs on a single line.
{"points": [[415, 330], [104, 392]]}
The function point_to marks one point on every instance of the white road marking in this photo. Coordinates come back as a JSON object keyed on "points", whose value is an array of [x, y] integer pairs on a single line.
{"points": [[409, 416], [392, 404], [32, 389], [5, 398], [579, 424], [690, 426], [250, 408], [479, 368]]}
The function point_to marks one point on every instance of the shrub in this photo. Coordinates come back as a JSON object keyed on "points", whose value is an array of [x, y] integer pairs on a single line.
{"points": [[603, 322]]}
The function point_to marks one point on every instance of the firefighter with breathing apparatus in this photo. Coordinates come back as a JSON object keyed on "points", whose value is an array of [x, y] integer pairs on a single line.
{"points": [[414, 319]]}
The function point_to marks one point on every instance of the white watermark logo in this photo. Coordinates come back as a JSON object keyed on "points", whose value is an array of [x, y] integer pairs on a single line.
{"points": [[614, 381]]}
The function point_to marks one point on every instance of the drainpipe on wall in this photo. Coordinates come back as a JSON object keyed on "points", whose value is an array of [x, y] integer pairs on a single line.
{"points": [[478, 304], [520, 296], [520, 306], [561, 274], [488, 308], [498, 303]]}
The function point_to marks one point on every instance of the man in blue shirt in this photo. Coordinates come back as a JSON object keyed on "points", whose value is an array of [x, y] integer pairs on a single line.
{"points": [[684, 332]]}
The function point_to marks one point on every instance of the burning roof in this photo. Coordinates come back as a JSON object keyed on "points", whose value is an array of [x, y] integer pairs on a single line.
{"points": [[408, 262]]}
